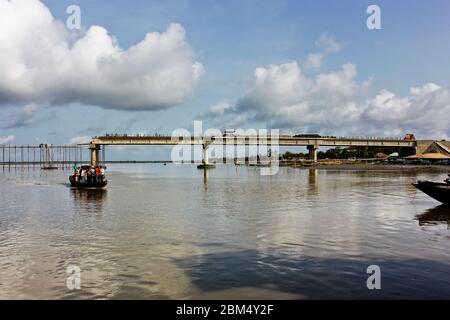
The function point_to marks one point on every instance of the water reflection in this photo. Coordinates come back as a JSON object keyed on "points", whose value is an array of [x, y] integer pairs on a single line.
{"points": [[205, 177], [313, 185], [167, 234], [437, 215], [222, 273], [90, 200]]}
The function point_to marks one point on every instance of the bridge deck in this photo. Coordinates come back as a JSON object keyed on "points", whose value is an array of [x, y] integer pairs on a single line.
{"points": [[252, 140]]}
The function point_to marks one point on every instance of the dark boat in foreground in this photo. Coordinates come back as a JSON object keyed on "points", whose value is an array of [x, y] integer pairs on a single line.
{"points": [[439, 191], [87, 185]]}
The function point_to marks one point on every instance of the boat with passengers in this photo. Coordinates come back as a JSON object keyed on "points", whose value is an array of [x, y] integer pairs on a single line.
{"points": [[88, 177]]}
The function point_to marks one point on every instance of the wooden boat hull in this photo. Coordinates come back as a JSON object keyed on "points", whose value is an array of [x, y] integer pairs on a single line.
{"points": [[436, 190], [86, 185], [206, 166]]}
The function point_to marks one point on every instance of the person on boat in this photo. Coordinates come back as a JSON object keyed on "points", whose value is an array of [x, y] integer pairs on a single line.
{"points": [[89, 175], [74, 167], [92, 174], [82, 175], [97, 174], [102, 173], [77, 175]]}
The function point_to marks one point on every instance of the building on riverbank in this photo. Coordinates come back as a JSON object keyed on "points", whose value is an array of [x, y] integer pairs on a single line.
{"points": [[433, 146]]}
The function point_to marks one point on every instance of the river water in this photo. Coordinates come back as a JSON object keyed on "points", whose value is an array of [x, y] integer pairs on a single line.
{"points": [[163, 232]]}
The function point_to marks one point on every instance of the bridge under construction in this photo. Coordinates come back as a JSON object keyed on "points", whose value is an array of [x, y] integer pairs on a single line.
{"points": [[311, 142], [45, 155], [65, 154]]}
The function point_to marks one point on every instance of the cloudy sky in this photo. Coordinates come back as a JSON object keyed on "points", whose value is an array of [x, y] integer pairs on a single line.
{"points": [[154, 66]]}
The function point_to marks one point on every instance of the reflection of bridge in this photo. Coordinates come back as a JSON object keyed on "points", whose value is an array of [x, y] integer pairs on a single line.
{"points": [[312, 143]]}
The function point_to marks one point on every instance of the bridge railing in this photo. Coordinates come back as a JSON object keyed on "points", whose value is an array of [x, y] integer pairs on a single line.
{"points": [[162, 135], [370, 138]]}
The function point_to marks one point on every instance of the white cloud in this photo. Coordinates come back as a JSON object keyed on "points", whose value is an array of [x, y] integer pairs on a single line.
{"points": [[285, 97], [328, 46], [219, 108], [8, 139], [80, 140], [40, 62], [314, 60], [281, 96], [425, 111], [220, 113]]}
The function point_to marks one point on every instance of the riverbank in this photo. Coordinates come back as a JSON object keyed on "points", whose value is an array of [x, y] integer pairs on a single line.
{"points": [[379, 167]]}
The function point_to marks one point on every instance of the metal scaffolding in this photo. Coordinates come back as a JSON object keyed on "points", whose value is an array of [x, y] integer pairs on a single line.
{"points": [[43, 155]]}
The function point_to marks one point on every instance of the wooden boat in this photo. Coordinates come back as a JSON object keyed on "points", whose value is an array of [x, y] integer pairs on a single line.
{"points": [[87, 185], [439, 191], [49, 168], [206, 166]]}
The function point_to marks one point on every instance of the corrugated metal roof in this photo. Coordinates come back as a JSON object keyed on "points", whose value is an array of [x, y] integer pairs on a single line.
{"points": [[435, 156], [443, 146]]}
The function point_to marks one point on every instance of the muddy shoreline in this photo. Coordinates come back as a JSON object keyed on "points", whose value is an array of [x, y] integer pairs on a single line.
{"points": [[379, 167]]}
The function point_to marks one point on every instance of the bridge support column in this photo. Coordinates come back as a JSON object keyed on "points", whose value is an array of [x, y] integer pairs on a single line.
{"points": [[206, 164], [95, 152], [205, 155], [313, 152]]}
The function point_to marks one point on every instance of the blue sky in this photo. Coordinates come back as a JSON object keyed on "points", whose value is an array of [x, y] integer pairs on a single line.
{"points": [[233, 38]]}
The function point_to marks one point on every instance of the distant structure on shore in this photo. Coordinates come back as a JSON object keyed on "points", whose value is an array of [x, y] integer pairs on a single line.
{"points": [[427, 146]]}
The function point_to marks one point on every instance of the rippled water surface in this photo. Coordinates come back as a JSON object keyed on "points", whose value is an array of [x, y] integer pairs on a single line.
{"points": [[161, 232]]}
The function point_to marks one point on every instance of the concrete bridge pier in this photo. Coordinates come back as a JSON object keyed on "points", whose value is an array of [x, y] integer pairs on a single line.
{"points": [[313, 152], [206, 164], [205, 155], [95, 154]]}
